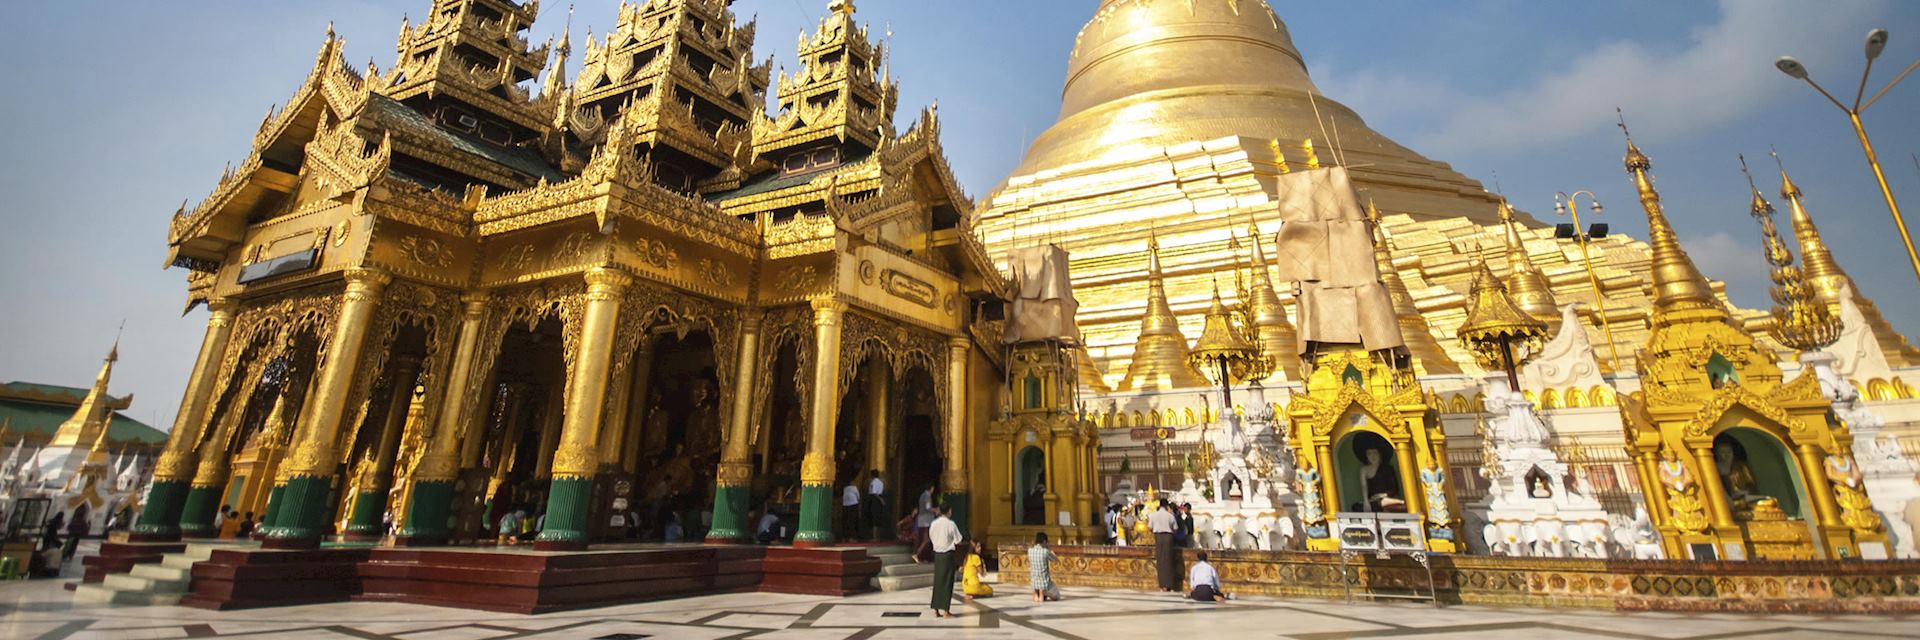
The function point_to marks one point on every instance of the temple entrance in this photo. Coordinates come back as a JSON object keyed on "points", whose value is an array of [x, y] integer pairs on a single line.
{"points": [[1029, 487], [1754, 468], [365, 488], [505, 466], [674, 433], [916, 453], [1367, 474], [261, 429], [782, 441]]}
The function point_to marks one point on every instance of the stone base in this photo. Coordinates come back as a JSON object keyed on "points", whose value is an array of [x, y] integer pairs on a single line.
{"points": [[120, 557], [516, 580], [1624, 585]]}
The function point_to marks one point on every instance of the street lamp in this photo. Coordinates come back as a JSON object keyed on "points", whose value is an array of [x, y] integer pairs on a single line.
{"points": [[1568, 205], [1876, 43]]}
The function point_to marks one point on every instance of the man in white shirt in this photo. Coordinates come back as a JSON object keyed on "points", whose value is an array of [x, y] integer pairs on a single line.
{"points": [[877, 506], [768, 532], [850, 509], [1206, 581], [944, 535], [1167, 564]]}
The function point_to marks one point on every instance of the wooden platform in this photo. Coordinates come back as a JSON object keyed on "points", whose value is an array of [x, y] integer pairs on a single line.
{"points": [[519, 580]]}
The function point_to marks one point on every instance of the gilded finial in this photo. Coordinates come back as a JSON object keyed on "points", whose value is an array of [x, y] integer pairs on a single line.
{"points": [[1823, 274], [1677, 283], [1801, 321], [1529, 286], [842, 7]]}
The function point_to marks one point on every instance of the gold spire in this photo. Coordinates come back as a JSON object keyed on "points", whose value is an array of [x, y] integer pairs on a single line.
{"points": [[1800, 321], [1677, 283], [1496, 323], [93, 413], [843, 7], [1827, 281], [556, 80], [1160, 353], [1428, 355], [1277, 337], [1529, 286]]}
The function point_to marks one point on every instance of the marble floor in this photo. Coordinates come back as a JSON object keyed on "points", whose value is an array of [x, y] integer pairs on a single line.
{"points": [[42, 609]]}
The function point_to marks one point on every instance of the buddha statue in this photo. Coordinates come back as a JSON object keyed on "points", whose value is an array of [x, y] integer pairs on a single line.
{"points": [[1384, 493], [1736, 477]]}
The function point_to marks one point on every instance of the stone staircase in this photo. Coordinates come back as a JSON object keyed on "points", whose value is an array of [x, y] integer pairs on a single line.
{"points": [[897, 570], [149, 584]]}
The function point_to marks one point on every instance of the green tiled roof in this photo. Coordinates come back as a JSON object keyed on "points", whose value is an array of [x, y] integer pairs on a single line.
{"points": [[776, 181], [45, 418], [50, 391], [521, 159]]}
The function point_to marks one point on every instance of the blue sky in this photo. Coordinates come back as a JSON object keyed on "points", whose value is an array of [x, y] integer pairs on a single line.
{"points": [[120, 110]]}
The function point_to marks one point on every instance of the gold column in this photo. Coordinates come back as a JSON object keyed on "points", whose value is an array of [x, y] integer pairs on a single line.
{"points": [[176, 462], [817, 469], [613, 433], [1716, 493], [879, 383], [406, 372], [575, 457], [553, 420], [639, 382], [315, 454], [954, 479], [458, 411], [736, 460], [1410, 475], [1650, 487], [1813, 468], [1329, 484]]}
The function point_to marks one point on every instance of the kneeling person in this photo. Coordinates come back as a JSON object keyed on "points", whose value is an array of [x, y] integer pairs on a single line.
{"points": [[1205, 581]]}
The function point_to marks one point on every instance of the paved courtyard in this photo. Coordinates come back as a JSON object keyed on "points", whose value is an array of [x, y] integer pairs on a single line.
{"points": [[42, 609]]}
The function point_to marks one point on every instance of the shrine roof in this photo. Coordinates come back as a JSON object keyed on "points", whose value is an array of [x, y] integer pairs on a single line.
{"points": [[25, 416], [775, 180], [521, 159]]}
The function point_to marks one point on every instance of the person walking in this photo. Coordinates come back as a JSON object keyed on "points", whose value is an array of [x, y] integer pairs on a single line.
{"points": [[850, 509], [923, 516], [1205, 581], [1111, 519], [944, 536], [1162, 524], [1040, 571], [877, 505]]}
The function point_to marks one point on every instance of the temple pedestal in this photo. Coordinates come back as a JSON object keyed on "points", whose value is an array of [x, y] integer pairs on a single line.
{"points": [[1530, 509]]}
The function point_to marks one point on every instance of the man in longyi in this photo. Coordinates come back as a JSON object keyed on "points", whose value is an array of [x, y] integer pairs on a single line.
{"points": [[1166, 559]]}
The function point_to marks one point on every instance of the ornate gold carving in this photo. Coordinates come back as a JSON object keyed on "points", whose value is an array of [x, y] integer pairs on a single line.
{"points": [[340, 231], [797, 279], [866, 272], [715, 273], [734, 474], [426, 252], [657, 254], [816, 470], [1856, 509]]}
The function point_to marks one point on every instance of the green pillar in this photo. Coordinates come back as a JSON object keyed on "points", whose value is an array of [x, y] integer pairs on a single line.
{"points": [[302, 517], [174, 472], [816, 516], [196, 515], [427, 511], [160, 519], [368, 507], [275, 496], [730, 516]]}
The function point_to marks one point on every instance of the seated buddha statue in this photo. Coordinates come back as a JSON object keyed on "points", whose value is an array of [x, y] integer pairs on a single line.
{"points": [[1736, 477]]}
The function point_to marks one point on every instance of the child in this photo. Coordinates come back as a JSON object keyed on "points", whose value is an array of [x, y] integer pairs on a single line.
{"points": [[1038, 571], [971, 585]]}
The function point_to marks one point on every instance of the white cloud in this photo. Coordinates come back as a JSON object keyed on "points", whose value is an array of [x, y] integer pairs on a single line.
{"points": [[1724, 70], [1734, 260]]}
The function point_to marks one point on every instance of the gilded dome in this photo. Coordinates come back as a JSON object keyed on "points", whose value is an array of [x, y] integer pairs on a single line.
{"points": [[1158, 73]]}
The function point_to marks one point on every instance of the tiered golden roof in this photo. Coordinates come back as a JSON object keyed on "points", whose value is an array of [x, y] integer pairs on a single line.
{"points": [[844, 91], [1223, 351], [475, 52], [1498, 331]]}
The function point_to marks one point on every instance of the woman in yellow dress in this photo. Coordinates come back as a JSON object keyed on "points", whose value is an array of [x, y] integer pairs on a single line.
{"points": [[970, 584]]}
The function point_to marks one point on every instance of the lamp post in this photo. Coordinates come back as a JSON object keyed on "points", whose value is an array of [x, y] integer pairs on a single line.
{"points": [[1568, 205], [1876, 43]]}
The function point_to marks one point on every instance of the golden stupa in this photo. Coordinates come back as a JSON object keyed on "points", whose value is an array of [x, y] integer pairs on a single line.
{"points": [[1184, 118]]}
